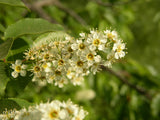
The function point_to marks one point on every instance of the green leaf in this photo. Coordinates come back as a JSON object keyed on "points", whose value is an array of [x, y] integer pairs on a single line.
{"points": [[15, 3], [17, 85], [30, 26], [3, 77], [13, 103], [5, 47], [155, 105], [17, 50], [2, 29], [59, 35]]}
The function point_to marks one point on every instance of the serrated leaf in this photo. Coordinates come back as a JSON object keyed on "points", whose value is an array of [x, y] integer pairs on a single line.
{"points": [[13, 103], [5, 47], [2, 29], [3, 77], [30, 26], [15, 3]]}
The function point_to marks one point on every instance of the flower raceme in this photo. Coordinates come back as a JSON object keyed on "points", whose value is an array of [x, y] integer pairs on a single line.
{"points": [[54, 110], [66, 59]]}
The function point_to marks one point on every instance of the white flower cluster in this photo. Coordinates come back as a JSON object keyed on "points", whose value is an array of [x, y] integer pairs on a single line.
{"points": [[54, 110], [60, 61]]}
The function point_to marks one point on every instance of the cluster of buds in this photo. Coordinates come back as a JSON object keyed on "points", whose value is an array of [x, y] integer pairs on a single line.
{"points": [[54, 110], [60, 61]]}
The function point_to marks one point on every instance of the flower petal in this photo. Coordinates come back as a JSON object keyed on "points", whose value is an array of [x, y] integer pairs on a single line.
{"points": [[14, 74]]}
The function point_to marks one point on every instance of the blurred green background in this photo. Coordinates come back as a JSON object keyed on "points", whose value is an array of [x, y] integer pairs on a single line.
{"points": [[103, 95]]}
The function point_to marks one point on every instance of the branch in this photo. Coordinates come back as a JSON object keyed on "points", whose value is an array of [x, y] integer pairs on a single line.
{"points": [[36, 8], [107, 4], [140, 90], [59, 5]]}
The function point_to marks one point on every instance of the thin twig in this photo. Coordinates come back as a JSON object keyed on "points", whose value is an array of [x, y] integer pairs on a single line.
{"points": [[34, 7], [140, 90], [59, 5], [108, 4]]}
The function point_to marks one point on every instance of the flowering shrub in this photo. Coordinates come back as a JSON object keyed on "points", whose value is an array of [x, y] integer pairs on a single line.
{"points": [[59, 59], [54, 110], [40, 62], [67, 59]]}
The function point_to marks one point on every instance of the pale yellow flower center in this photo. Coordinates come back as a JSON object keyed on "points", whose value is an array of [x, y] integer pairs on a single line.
{"points": [[61, 62], [79, 63], [18, 68], [119, 49], [110, 36], [45, 65], [90, 56], [36, 69], [53, 114], [30, 53], [96, 42], [46, 56], [77, 118], [69, 111], [82, 46]]}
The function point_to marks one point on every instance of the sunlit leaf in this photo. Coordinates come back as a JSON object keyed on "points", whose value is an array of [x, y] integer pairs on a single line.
{"points": [[30, 26], [15, 3]]}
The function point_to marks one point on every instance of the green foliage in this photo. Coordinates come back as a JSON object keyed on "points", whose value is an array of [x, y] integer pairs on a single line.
{"points": [[13, 103], [155, 105], [5, 47], [30, 26], [138, 23], [3, 78], [15, 3], [17, 86], [51, 37], [2, 28]]}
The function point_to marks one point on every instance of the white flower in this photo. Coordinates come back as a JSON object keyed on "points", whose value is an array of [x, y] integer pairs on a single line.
{"points": [[31, 114], [41, 78], [118, 48], [78, 65], [80, 46], [108, 64], [63, 114], [8, 114], [60, 83], [18, 68], [82, 35], [71, 108], [50, 111], [96, 41], [54, 110], [111, 35], [77, 80], [47, 67], [80, 115]]}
